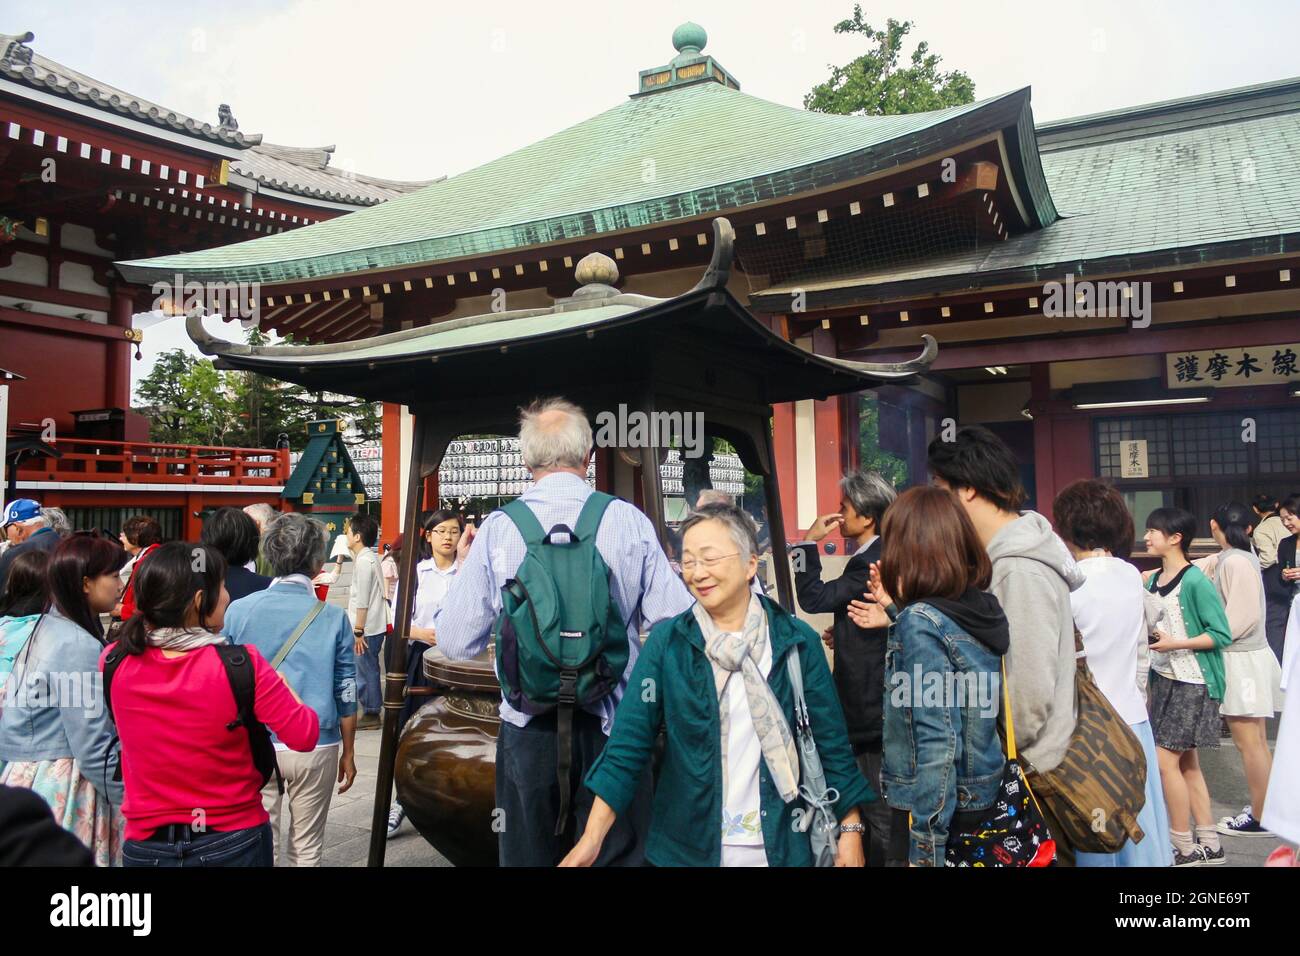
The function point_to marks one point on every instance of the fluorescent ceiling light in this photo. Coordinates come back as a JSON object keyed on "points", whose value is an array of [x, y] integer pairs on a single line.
{"points": [[1193, 400]]}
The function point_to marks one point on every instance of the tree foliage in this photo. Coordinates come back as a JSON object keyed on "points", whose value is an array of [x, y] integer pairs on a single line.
{"points": [[873, 84], [191, 402]]}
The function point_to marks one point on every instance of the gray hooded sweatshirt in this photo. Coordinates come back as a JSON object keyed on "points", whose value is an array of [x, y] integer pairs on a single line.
{"points": [[1033, 575]]}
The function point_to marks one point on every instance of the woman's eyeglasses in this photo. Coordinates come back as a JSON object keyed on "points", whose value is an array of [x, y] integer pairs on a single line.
{"points": [[445, 532], [688, 564]]}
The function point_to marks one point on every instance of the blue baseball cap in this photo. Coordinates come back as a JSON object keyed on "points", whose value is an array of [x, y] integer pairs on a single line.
{"points": [[20, 509]]}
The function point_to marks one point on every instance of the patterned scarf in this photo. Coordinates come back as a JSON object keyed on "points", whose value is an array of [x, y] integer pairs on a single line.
{"points": [[182, 638], [730, 652]]}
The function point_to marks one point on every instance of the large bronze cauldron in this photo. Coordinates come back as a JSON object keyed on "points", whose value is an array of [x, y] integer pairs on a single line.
{"points": [[446, 760]]}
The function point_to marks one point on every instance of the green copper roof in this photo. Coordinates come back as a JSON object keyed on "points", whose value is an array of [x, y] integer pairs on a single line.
{"points": [[674, 154], [1192, 181], [597, 334]]}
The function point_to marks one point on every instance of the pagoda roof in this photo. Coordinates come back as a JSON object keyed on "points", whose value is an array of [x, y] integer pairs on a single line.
{"points": [[713, 149], [306, 171], [597, 331], [324, 464], [1183, 182], [24, 66]]}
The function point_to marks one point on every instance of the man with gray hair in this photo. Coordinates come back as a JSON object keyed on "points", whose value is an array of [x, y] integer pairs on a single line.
{"points": [[859, 669], [556, 441], [31, 531], [262, 514], [58, 520]]}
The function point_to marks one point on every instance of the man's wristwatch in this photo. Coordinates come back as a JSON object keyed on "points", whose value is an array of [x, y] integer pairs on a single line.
{"points": [[852, 828], [359, 632]]}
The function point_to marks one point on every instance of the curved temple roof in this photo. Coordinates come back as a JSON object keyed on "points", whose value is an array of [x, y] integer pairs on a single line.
{"points": [[619, 334], [677, 154]]}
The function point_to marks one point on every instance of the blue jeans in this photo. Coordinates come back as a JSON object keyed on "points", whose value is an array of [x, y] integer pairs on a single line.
{"points": [[370, 695], [251, 847]]}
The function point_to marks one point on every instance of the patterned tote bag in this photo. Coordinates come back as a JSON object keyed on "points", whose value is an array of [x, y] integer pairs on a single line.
{"points": [[1013, 831]]}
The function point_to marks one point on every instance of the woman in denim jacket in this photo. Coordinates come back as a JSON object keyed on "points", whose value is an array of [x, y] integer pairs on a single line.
{"points": [[56, 736], [943, 759]]}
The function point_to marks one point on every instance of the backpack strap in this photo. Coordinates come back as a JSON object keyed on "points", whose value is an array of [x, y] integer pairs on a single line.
{"points": [[529, 527], [243, 684], [593, 510], [112, 661]]}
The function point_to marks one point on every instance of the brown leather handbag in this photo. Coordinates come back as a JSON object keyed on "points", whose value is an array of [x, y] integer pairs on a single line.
{"points": [[1098, 789]]}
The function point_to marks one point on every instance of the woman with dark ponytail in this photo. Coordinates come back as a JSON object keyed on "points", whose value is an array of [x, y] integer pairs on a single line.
{"points": [[183, 746], [56, 736], [1252, 676]]}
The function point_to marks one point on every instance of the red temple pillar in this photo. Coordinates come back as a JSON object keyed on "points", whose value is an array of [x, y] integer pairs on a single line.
{"points": [[117, 362], [390, 513], [783, 444], [829, 426]]}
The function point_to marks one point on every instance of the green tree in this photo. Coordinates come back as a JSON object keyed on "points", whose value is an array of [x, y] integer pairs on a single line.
{"points": [[191, 402], [874, 85], [212, 415], [163, 396], [870, 454]]}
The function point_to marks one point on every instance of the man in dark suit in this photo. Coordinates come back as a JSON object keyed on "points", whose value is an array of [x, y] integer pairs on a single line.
{"points": [[859, 652]]}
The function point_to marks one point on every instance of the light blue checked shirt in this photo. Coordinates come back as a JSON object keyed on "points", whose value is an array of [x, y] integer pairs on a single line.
{"points": [[627, 542]]}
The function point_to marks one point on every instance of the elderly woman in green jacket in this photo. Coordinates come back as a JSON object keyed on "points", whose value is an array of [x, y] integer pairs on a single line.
{"points": [[715, 679]]}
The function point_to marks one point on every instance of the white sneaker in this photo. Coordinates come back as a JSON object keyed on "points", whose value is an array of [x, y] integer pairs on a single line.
{"points": [[395, 817]]}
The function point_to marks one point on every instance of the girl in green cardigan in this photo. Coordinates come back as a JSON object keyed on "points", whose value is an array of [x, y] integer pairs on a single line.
{"points": [[1186, 682]]}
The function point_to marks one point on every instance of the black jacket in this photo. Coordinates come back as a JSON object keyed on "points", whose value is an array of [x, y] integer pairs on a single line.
{"points": [[29, 835], [859, 652], [241, 582]]}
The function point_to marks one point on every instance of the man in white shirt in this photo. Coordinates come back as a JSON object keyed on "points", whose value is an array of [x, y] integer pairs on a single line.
{"points": [[368, 611]]}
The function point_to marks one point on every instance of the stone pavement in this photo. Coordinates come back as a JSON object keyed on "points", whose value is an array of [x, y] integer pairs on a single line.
{"points": [[347, 834]]}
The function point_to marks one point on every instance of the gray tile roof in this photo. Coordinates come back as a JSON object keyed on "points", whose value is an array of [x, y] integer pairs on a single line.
{"points": [[1183, 182], [306, 171], [18, 62], [303, 171]]}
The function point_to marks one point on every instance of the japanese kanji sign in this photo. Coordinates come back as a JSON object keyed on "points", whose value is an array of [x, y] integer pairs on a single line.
{"points": [[1133, 458], [1217, 368]]}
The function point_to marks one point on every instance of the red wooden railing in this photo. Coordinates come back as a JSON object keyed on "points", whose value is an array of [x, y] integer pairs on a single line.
{"points": [[95, 460]]}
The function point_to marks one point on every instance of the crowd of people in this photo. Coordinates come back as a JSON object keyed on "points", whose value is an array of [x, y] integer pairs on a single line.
{"points": [[197, 703]]}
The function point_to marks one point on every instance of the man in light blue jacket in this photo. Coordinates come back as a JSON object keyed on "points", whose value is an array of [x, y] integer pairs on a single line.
{"points": [[320, 667]]}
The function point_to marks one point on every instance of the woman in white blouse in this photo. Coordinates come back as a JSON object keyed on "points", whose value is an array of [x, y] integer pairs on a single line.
{"points": [[442, 530], [1092, 519]]}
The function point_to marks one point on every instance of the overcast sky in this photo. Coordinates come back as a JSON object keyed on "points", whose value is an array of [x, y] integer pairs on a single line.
{"points": [[415, 90]]}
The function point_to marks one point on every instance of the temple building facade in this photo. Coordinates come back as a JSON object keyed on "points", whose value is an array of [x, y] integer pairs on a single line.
{"points": [[90, 174], [1114, 294]]}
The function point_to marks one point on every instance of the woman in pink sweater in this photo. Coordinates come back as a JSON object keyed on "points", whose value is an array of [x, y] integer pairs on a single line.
{"points": [[193, 792]]}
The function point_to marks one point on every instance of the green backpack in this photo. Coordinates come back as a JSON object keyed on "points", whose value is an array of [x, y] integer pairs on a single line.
{"points": [[561, 641]]}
